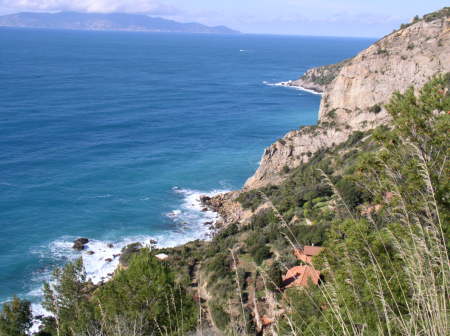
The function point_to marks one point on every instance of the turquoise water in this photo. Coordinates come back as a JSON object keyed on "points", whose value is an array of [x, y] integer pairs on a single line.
{"points": [[113, 136]]}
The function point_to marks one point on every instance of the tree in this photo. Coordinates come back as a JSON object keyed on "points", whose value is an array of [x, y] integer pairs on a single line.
{"points": [[15, 318], [67, 298], [145, 294]]}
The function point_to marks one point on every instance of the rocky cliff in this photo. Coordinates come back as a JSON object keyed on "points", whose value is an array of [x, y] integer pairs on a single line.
{"points": [[354, 92], [353, 99]]}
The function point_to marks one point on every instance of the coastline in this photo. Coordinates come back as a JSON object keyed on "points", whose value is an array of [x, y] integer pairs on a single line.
{"points": [[294, 85], [196, 220], [209, 219], [101, 258]]}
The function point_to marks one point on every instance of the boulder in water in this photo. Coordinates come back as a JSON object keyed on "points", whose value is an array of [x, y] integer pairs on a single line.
{"points": [[80, 243]]}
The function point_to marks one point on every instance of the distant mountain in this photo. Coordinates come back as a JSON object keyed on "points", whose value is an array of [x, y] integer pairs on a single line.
{"points": [[115, 21]]}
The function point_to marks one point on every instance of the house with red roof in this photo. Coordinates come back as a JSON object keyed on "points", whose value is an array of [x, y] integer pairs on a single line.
{"points": [[306, 253], [301, 276]]}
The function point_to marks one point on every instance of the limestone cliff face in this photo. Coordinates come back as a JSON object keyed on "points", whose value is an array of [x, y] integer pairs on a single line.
{"points": [[408, 57], [354, 99]]}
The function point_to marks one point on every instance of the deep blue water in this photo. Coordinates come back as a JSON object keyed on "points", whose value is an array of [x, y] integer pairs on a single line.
{"points": [[96, 130]]}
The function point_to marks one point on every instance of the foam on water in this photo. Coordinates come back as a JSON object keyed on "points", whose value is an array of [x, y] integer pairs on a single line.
{"points": [[101, 257], [288, 84]]}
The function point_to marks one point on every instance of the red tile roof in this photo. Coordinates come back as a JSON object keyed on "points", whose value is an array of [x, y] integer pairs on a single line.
{"points": [[312, 250], [301, 276], [307, 253]]}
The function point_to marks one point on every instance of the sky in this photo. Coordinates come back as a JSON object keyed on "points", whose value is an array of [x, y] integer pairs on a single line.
{"points": [[363, 18]]}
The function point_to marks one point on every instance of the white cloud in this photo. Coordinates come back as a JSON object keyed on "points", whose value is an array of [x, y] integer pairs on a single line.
{"points": [[92, 6]]}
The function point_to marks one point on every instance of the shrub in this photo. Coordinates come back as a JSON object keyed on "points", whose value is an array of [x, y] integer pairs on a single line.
{"points": [[274, 275], [261, 253], [250, 200], [220, 317]]}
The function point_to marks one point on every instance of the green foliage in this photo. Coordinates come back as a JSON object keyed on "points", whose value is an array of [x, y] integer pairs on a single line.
{"points": [[257, 246], [67, 298], [15, 318], [352, 194], [324, 75], [381, 51], [219, 266], [391, 267], [146, 290], [144, 298], [220, 317], [274, 276], [48, 327], [263, 219], [332, 114], [128, 252], [250, 200], [260, 253]]}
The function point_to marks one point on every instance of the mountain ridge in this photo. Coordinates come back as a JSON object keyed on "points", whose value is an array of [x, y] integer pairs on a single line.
{"points": [[107, 22]]}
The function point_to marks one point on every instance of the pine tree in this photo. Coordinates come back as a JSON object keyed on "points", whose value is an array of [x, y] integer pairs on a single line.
{"points": [[15, 318]]}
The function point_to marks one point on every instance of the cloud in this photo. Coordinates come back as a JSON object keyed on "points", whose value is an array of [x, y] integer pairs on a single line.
{"points": [[90, 6]]}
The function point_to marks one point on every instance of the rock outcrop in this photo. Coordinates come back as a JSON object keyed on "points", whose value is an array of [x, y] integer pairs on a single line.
{"points": [[318, 79], [359, 88], [127, 253], [229, 210], [80, 244]]}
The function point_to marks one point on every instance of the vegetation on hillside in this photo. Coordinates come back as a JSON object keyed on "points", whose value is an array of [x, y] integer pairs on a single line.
{"points": [[378, 203]]}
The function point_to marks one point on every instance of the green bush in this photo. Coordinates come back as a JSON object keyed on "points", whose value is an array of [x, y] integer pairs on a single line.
{"points": [[250, 200], [220, 317], [261, 253]]}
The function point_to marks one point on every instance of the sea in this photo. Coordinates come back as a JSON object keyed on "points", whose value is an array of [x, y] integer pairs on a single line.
{"points": [[113, 136]]}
